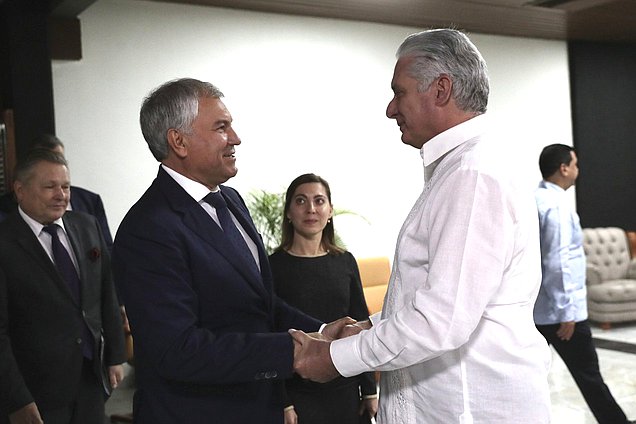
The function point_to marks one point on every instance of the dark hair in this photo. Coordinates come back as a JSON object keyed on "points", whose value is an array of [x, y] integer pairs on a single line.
{"points": [[24, 168], [328, 239], [46, 141], [552, 157]]}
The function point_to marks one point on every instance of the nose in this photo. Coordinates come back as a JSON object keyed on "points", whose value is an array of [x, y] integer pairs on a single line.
{"points": [[233, 137], [391, 109], [59, 193]]}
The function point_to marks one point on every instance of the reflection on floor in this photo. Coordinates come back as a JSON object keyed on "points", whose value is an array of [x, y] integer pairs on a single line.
{"points": [[618, 367]]}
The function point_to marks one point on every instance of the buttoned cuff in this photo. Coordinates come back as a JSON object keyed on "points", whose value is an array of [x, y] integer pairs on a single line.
{"points": [[375, 318], [345, 356]]}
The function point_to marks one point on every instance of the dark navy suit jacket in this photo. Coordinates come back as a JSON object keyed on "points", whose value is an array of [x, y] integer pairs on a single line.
{"points": [[82, 200], [211, 341]]}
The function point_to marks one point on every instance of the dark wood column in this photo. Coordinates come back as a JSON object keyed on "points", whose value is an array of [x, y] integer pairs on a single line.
{"points": [[27, 86]]}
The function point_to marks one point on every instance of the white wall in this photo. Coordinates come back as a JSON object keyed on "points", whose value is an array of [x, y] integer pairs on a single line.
{"points": [[306, 94]]}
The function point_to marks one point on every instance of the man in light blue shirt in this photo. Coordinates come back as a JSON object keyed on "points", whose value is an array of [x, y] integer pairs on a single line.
{"points": [[560, 311]]}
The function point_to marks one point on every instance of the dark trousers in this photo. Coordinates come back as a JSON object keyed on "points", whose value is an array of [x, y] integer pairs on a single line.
{"points": [[88, 407], [580, 357]]}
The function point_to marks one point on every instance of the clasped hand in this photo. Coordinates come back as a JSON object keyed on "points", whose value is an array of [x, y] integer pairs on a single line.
{"points": [[312, 359]]}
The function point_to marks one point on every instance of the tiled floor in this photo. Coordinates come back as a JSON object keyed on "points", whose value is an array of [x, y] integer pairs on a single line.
{"points": [[618, 370], [568, 406]]}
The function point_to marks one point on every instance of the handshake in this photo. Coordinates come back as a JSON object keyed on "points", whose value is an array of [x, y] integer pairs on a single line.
{"points": [[312, 359]]}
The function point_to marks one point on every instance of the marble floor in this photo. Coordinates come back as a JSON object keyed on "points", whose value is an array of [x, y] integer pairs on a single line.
{"points": [[618, 370], [568, 407]]}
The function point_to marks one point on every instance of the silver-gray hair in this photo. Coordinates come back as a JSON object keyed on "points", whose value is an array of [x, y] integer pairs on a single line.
{"points": [[173, 105], [449, 51]]}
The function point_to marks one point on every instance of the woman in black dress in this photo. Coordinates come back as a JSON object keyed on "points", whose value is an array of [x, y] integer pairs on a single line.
{"points": [[315, 275]]}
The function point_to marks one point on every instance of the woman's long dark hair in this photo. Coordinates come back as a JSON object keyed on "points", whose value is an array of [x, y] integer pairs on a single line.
{"points": [[328, 240]]}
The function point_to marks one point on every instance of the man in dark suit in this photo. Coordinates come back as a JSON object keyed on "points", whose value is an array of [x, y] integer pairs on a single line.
{"points": [[61, 339], [82, 200], [211, 341]]}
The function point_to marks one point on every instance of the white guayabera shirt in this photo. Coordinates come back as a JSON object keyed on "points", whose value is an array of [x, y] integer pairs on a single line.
{"points": [[456, 337]]}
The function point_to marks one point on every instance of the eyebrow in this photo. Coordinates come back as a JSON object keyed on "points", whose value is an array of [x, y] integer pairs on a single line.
{"points": [[222, 122], [396, 87]]}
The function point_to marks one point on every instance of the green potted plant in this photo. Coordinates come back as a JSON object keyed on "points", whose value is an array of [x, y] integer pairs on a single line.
{"points": [[267, 208]]}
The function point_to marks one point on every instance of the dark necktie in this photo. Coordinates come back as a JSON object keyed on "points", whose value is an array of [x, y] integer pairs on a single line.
{"points": [[217, 200], [69, 274], [64, 263]]}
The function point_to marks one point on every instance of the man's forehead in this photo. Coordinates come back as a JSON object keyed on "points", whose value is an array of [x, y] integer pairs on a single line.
{"points": [[44, 169], [216, 106], [402, 70]]}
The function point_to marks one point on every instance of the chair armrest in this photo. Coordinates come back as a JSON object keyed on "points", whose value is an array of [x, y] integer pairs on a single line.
{"points": [[593, 276], [631, 271]]}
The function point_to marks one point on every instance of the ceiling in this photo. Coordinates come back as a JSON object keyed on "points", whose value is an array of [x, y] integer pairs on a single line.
{"points": [[578, 20], [590, 20]]}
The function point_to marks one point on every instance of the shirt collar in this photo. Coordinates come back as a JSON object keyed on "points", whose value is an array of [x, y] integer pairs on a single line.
{"points": [[35, 226], [195, 189], [446, 141], [551, 186]]}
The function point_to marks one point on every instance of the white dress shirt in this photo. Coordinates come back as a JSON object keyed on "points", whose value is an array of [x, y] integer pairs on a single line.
{"points": [[456, 336], [45, 238], [198, 191]]}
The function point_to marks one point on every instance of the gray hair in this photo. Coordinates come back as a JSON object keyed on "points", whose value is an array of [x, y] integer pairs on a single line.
{"points": [[24, 168], [450, 52], [173, 105]]}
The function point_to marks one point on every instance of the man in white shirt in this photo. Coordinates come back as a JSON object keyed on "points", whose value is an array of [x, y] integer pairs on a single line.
{"points": [[561, 308], [455, 341]]}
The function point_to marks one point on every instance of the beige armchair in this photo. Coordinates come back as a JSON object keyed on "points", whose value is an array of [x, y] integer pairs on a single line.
{"points": [[611, 276], [375, 273]]}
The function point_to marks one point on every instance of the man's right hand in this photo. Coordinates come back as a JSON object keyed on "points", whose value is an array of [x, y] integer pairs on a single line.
{"points": [[353, 329], [312, 359], [566, 330], [28, 414], [333, 329]]}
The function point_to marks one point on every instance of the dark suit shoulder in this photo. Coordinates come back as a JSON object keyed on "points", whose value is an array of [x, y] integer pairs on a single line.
{"points": [[83, 192], [8, 203], [86, 201], [12, 225]]}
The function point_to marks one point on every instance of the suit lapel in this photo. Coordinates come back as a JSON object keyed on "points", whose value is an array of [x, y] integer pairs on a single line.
{"points": [[201, 224], [79, 246], [249, 227], [31, 245]]}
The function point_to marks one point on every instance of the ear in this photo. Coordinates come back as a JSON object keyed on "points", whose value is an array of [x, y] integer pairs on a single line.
{"points": [[17, 190], [177, 143], [444, 87], [564, 170]]}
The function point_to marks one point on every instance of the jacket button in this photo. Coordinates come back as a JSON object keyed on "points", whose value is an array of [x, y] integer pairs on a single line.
{"points": [[78, 340]]}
